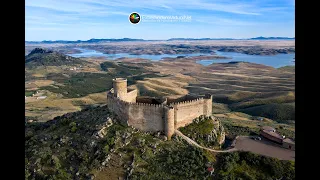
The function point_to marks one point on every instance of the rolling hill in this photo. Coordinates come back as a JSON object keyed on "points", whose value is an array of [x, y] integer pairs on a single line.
{"points": [[44, 57]]}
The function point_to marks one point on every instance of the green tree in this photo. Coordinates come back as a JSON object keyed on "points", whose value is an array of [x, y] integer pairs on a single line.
{"points": [[106, 148], [73, 126]]}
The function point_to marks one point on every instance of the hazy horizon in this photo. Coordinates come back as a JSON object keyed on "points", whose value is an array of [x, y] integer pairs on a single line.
{"points": [[83, 19], [226, 38]]}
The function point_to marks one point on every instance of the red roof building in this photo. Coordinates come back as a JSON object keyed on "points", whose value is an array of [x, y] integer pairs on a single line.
{"points": [[289, 144], [210, 169], [271, 134]]}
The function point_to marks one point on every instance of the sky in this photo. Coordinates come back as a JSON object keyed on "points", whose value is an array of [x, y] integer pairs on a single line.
{"points": [[87, 19]]}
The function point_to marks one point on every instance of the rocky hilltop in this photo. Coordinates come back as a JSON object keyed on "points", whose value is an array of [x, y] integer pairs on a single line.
{"points": [[91, 144], [45, 57]]}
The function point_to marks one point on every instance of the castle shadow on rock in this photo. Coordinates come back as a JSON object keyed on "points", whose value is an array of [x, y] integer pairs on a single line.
{"points": [[155, 114]]}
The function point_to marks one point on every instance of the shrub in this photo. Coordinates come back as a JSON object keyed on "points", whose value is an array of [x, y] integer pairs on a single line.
{"points": [[73, 126], [255, 166], [186, 162], [62, 174], [73, 129], [106, 148]]}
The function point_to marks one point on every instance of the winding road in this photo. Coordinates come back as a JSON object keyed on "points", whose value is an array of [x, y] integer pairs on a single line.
{"points": [[245, 143], [192, 142]]}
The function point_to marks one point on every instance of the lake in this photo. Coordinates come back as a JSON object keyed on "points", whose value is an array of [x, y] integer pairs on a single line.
{"points": [[93, 53], [276, 61]]}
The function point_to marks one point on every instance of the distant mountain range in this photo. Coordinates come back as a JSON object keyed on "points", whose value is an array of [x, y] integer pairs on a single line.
{"points": [[270, 38], [198, 39], [86, 41], [171, 39]]}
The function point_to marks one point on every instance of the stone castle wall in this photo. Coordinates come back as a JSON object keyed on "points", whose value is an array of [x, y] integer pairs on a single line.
{"points": [[118, 107], [146, 117], [131, 96], [164, 115], [186, 111]]}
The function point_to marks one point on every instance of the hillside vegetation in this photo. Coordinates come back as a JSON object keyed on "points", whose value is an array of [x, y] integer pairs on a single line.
{"points": [[288, 68], [79, 145], [90, 143], [236, 125], [246, 165], [205, 131], [278, 112], [80, 84], [276, 106], [67, 89], [60, 148]]}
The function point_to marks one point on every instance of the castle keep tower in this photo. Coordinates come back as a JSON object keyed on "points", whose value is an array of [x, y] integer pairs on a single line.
{"points": [[120, 88]]}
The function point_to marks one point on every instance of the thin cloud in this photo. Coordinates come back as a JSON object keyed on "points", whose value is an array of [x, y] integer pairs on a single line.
{"points": [[93, 5], [99, 17], [44, 29]]}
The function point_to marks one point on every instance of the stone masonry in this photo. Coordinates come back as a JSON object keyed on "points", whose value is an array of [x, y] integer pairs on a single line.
{"points": [[155, 114]]}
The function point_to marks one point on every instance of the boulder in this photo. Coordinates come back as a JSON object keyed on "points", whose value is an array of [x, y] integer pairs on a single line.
{"points": [[158, 134], [164, 138]]}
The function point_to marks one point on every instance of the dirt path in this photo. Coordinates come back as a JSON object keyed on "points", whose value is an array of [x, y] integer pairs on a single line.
{"points": [[192, 142], [264, 147], [245, 143]]}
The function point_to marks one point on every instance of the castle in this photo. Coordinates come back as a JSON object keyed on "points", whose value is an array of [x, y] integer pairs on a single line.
{"points": [[155, 114]]}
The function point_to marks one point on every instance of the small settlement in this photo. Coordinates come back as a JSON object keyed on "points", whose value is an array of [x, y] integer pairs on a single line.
{"points": [[271, 134]]}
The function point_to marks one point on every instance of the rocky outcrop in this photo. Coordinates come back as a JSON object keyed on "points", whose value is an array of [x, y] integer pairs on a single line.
{"points": [[40, 50], [217, 134], [44, 57], [103, 129], [206, 130], [130, 168]]}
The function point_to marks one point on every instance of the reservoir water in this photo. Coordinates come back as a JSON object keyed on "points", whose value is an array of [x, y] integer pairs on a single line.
{"points": [[275, 61], [94, 53]]}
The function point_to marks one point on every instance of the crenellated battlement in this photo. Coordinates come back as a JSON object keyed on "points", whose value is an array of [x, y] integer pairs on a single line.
{"points": [[155, 114], [189, 102], [116, 99], [148, 105]]}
